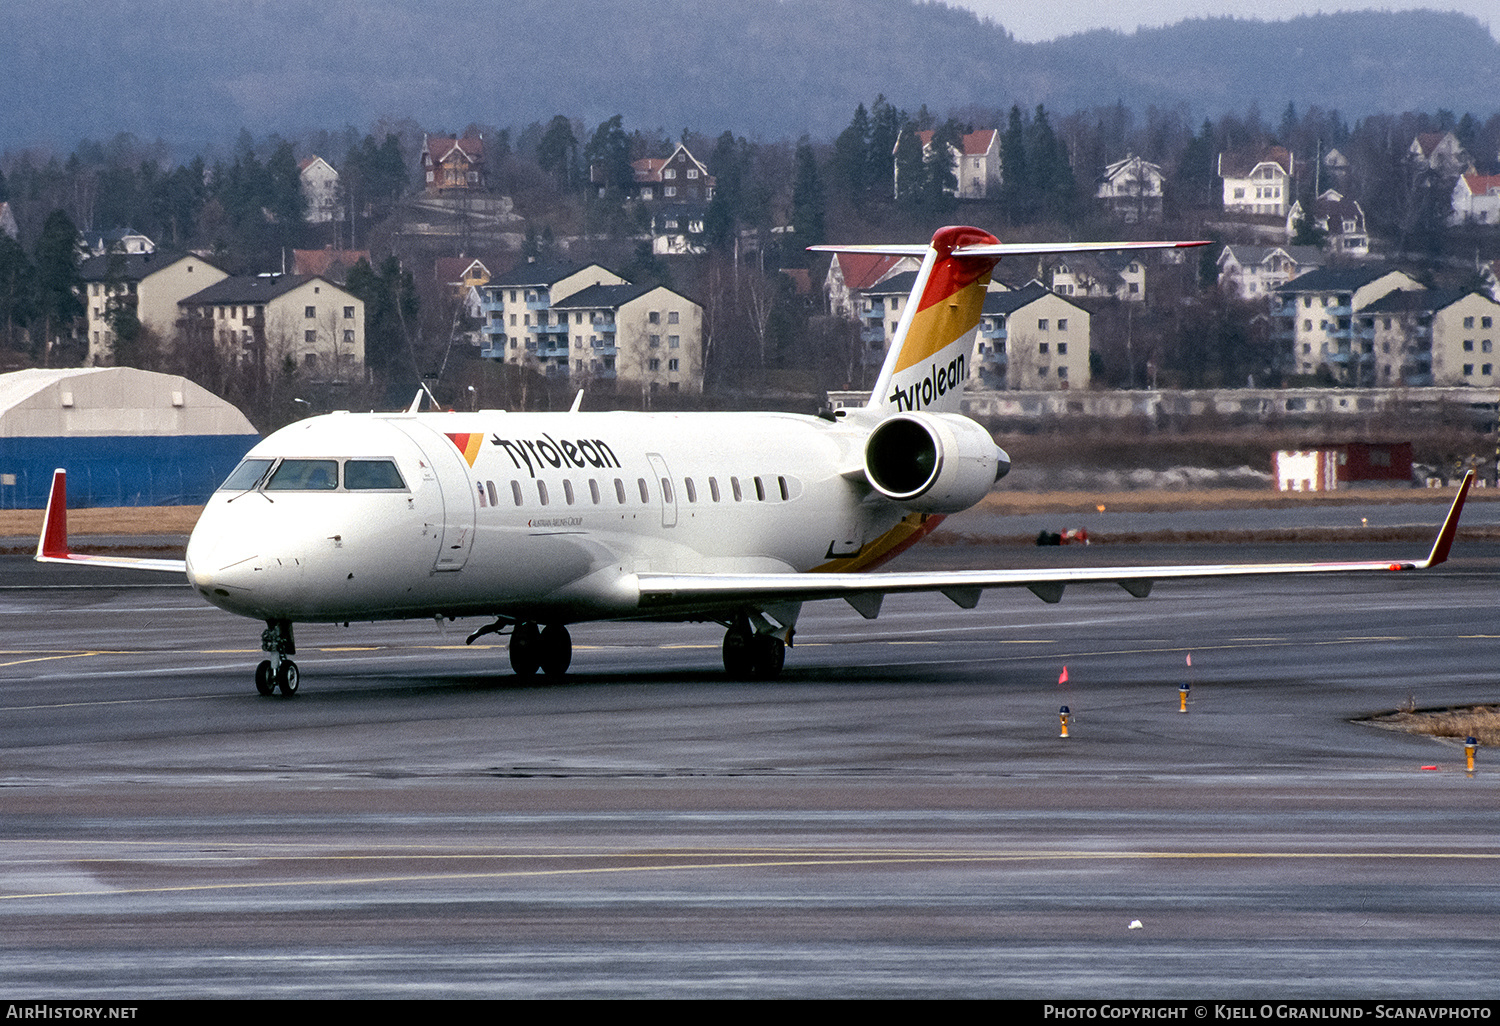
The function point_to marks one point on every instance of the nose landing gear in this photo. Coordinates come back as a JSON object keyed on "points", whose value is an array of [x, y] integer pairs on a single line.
{"points": [[277, 671]]}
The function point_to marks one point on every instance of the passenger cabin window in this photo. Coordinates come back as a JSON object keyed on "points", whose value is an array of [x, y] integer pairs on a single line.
{"points": [[645, 493], [734, 485], [515, 491], [568, 491], [692, 493], [304, 476], [713, 488], [620, 491], [594, 491]]}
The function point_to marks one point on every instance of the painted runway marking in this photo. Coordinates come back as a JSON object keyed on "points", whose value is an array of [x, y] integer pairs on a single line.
{"points": [[732, 860]]}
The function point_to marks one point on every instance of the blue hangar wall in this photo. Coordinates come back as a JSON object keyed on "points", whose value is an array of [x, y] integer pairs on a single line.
{"points": [[126, 438]]}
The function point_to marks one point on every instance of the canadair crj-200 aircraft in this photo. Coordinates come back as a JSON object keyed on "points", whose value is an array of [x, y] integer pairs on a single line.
{"points": [[537, 521]]}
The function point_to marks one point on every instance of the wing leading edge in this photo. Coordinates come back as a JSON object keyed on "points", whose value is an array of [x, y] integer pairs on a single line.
{"points": [[52, 546], [963, 587]]}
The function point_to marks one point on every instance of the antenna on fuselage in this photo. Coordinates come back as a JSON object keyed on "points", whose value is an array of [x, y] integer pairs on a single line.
{"points": [[577, 402]]}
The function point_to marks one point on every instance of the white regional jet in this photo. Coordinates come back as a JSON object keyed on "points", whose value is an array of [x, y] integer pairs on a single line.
{"points": [[542, 520]]}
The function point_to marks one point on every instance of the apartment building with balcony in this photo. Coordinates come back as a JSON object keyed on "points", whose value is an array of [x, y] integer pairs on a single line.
{"points": [[588, 324], [148, 283], [1314, 320]]}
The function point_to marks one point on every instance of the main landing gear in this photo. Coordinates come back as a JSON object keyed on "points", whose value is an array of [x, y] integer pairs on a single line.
{"points": [[277, 671], [549, 649], [750, 654]]}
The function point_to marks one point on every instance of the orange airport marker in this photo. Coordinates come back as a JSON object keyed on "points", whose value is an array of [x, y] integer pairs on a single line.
{"points": [[1470, 744], [1062, 715], [1182, 695]]}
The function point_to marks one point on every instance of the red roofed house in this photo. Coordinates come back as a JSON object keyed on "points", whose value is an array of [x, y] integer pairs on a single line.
{"points": [[976, 167], [1439, 151], [450, 164], [851, 273], [1476, 200], [680, 178], [332, 264]]}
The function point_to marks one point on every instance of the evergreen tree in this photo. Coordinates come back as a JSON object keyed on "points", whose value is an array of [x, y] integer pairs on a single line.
{"points": [[17, 290], [1016, 183], [807, 197], [910, 169], [608, 157], [851, 158], [886, 123], [557, 153], [58, 285]]}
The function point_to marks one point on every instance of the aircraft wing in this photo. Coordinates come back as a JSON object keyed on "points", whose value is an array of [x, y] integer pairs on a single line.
{"points": [[52, 547], [865, 591]]}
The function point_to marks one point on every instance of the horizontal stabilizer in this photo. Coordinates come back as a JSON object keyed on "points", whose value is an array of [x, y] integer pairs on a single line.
{"points": [[52, 546]]}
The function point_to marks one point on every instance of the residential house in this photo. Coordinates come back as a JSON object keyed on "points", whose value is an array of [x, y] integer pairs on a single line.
{"points": [[1489, 270], [452, 165], [645, 335], [1131, 190], [1031, 339], [320, 191], [1335, 167], [677, 229], [149, 283], [1253, 272], [1257, 182], [1476, 199], [330, 263], [1119, 276], [1440, 153], [679, 178], [1313, 318], [1435, 337], [265, 319], [850, 274], [975, 161], [516, 309], [117, 240], [1342, 219]]}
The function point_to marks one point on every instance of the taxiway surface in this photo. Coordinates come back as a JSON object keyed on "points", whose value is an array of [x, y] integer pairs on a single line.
{"points": [[895, 816]]}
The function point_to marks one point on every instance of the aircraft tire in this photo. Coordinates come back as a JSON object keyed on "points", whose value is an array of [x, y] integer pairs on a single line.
{"points": [[769, 655], [555, 650], [265, 682], [525, 649], [288, 679], [739, 652]]}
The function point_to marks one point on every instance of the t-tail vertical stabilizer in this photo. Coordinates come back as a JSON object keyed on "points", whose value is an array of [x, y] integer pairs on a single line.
{"points": [[933, 347]]}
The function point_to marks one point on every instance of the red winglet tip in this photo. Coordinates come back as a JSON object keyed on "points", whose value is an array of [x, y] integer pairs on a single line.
{"points": [[54, 540]]}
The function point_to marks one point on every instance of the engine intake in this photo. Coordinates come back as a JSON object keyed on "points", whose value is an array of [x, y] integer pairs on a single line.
{"points": [[934, 463]]}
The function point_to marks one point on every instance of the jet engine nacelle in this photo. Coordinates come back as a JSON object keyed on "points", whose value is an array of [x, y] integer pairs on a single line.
{"points": [[933, 463]]}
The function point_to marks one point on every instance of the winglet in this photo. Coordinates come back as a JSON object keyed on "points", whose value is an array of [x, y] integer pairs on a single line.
{"points": [[53, 543], [1444, 540]]}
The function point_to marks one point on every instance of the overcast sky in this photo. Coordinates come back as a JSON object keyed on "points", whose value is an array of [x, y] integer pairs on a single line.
{"points": [[1031, 21]]}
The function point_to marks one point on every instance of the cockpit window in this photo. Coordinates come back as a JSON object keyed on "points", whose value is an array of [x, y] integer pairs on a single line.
{"points": [[305, 476], [246, 476], [367, 475]]}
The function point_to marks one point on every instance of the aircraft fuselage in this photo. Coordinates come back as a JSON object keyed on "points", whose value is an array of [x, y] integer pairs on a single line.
{"points": [[544, 517]]}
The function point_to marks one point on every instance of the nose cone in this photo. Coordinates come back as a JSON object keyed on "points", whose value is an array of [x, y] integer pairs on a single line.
{"points": [[1002, 463]]}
